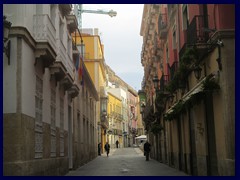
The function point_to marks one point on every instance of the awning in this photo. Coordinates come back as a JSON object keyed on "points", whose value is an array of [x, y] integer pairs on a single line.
{"points": [[196, 89], [141, 137]]}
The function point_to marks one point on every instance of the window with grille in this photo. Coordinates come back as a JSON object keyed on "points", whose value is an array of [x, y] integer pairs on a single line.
{"points": [[167, 54], [174, 39], [61, 126], [53, 122], [185, 17], [38, 118]]}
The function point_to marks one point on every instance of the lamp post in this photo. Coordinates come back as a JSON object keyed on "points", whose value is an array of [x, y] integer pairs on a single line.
{"points": [[6, 42]]}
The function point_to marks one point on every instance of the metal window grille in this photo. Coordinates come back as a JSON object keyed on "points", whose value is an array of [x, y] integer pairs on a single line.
{"points": [[38, 118]]}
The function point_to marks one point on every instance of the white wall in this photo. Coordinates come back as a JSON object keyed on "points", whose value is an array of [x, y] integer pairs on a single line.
{"points": [[20, 14], [28, 80], [9, 80]]}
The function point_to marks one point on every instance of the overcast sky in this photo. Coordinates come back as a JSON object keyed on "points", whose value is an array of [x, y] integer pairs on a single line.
{"points": [[121, 38]]}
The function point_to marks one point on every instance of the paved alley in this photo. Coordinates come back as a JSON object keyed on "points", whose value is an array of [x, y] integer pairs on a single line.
{"points": [[125, 162]]}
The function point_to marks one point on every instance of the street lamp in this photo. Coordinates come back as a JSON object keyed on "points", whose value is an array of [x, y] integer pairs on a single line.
{"points": [[6, 42], [104, 105], [142, 108]]}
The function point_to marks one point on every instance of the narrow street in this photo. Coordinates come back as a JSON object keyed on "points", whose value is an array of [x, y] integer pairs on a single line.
{"points": [[80, 77], [125, 162]]}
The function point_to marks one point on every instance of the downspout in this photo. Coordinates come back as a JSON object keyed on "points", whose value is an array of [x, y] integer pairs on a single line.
{"points": [[178, 120]]}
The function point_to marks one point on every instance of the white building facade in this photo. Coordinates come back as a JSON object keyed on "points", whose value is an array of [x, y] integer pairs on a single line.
{"points": [[40, 83], [121, 93]]}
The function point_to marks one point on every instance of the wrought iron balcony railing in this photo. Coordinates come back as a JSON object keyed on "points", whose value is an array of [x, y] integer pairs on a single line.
{"points": [[163, 82], [195, 30], [173, 69]]}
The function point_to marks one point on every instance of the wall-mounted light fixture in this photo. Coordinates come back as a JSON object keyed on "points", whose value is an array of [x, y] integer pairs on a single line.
{"points": [[6, 42], [219, 59], [197, 72], [171, 97]]}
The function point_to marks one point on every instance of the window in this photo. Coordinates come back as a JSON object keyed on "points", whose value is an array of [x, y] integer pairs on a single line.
{"points": [[174, 40], [185, 16], [167, 54]]}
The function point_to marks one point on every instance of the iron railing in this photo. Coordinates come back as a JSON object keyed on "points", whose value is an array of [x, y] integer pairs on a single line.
{"points": [[173, 69], [195, 30], [163, 81]]}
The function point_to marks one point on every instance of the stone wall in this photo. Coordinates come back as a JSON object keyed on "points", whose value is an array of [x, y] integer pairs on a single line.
{"points": [[19, 148]]}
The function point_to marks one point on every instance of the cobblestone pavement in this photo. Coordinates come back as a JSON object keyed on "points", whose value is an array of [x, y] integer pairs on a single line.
{"points": [[125, 162]]}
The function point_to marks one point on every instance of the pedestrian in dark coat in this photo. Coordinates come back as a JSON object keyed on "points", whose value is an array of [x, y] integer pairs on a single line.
{"points": [[117, 143], [107, 148], [147, 149], [99, 149]]}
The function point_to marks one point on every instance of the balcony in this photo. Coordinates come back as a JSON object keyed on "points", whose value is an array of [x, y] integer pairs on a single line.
{"points": [[70, 67], [163, 82], [148, 113], [73, 91], [173, 69], [65, 8], [195, 31], [58, 71], [44, 34], [104, 122], [66, 82], [72, 23], [43, 30], [61, 52]]}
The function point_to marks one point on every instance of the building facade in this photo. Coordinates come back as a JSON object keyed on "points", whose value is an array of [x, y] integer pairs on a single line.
{"points": [[129, 98], [115, 120], [133, 107], [189, 59], [93, 58], [40, 84]]}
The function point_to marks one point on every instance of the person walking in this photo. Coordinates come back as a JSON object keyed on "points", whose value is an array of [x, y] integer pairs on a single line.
{"points": [[107, 148], [117, 143], [147, 149], [99, 149]]}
